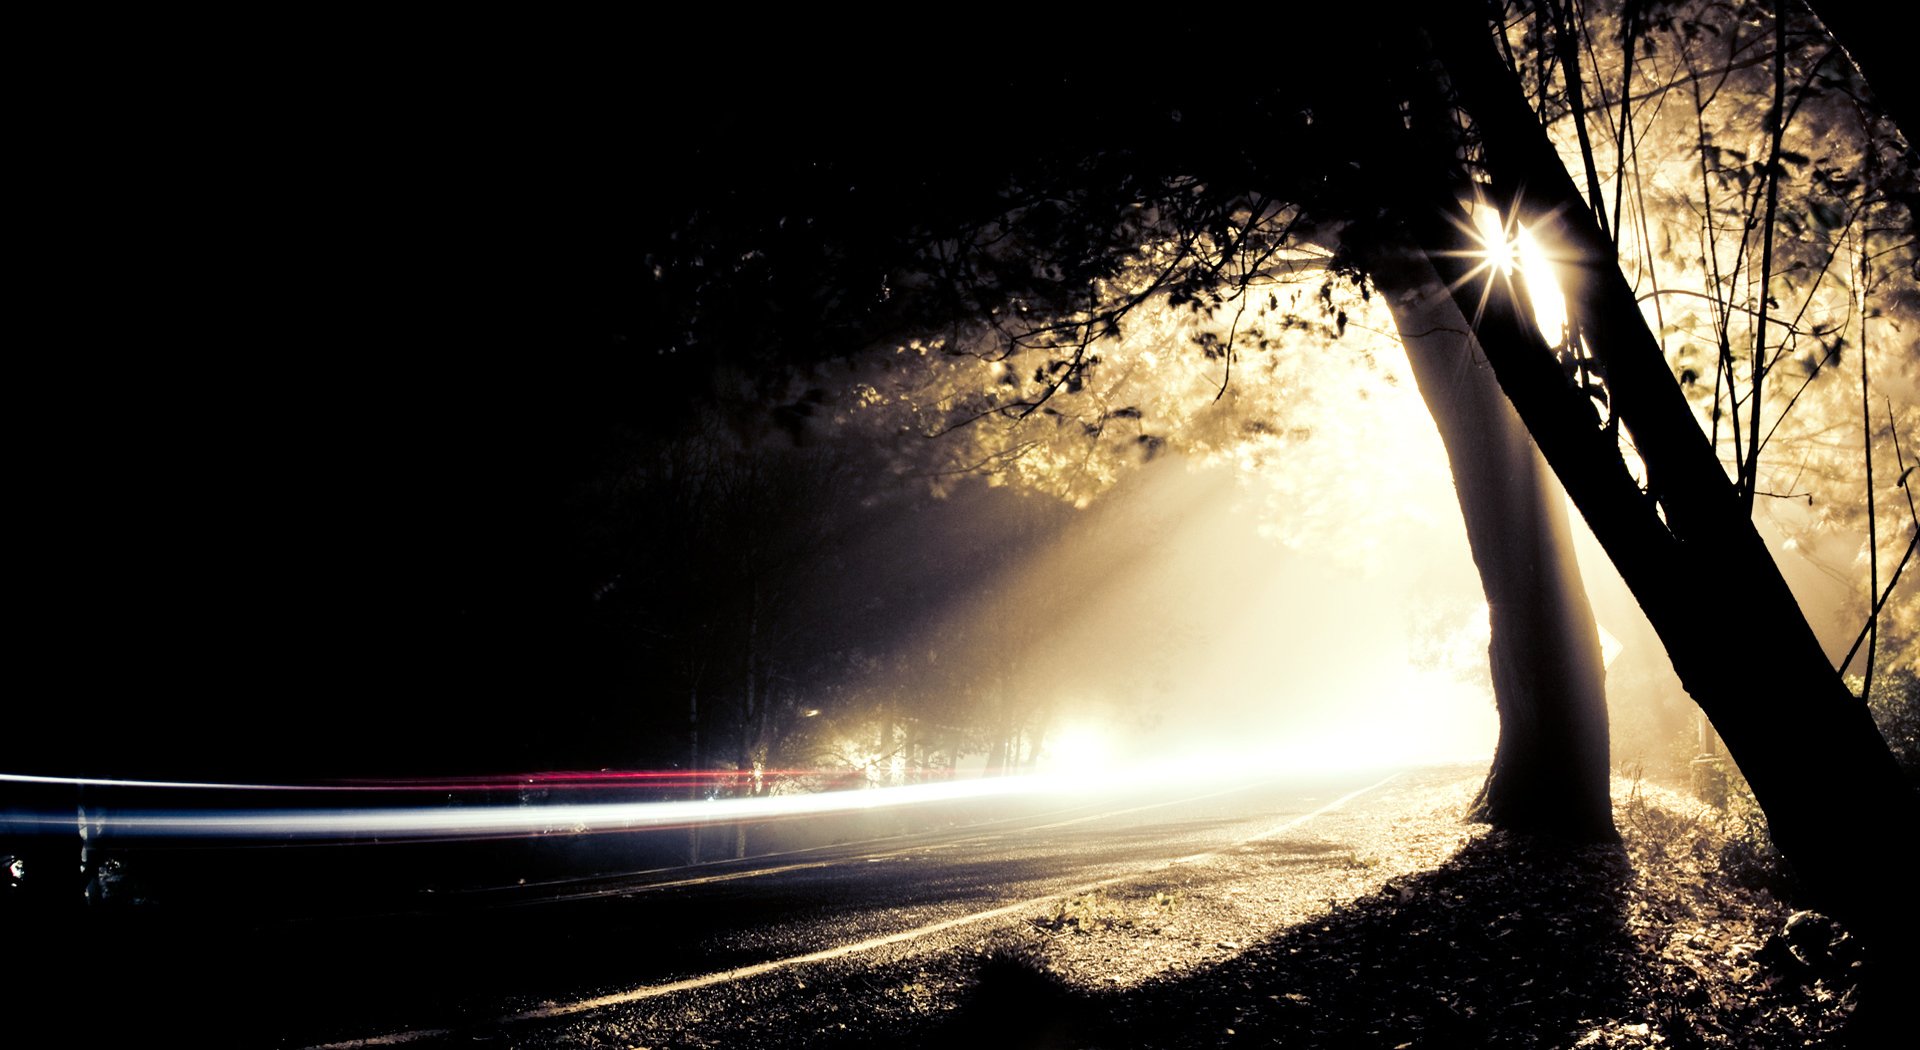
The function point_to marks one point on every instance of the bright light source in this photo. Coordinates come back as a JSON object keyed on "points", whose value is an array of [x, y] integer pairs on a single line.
{"points": [[1505, 253], [1078, 750], [1494, 240], [1549, 306]]}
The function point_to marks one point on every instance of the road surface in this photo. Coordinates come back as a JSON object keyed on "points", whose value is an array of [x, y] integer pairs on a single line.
{"points": [[495, 960]]}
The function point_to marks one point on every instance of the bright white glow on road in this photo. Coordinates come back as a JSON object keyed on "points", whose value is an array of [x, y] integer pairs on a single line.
{"points": [[482, 821], [1080, 758]]}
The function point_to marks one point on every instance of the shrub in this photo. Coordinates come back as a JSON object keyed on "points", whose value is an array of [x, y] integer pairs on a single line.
{"points": [[1895, 704]]}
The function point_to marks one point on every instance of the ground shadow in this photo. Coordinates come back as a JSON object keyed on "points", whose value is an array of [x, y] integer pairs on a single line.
{"points": [[1512, 942]]}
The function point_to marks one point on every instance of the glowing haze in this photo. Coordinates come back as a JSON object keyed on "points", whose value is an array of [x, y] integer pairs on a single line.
{"points": [[1281, 578]]}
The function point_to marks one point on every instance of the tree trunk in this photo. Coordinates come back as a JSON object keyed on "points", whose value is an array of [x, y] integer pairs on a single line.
{"points": [[1881, 57], [883, 749], [1835, 802], [997, 755], [1550, 769]]}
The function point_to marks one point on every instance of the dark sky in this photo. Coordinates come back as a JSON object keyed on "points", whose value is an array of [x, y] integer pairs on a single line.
{"points": [[282, 445], [313, 350], [304, 368]]}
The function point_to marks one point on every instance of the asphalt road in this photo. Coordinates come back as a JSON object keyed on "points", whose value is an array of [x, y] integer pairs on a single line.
{"points": [[486, 953]]}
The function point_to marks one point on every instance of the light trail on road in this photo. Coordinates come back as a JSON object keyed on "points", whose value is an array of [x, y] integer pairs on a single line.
{"points": [[629, 888], [546, 781], [507, 819], [553, 1010], [473, 816]]}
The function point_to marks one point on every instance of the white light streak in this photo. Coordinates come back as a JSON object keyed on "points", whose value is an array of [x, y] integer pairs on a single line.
{"points": [[424, 822], [27, 778]]}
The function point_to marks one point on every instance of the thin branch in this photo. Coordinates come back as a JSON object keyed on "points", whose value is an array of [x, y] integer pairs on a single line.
{"points": [[1900, 460], [1232, 330], [1723, 360], [994, 458], [1648, 263], [1576, 101], [1784, 326], [1782, 417], [1750, 469], [1873, 616], [1694, 77], [1873, 534], [1625, 127]]}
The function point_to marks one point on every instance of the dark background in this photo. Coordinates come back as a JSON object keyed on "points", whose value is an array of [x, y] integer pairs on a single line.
{"points": [[321, 336]]}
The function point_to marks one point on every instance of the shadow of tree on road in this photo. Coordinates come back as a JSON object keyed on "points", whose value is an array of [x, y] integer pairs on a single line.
{"points": [[1512, 942]]}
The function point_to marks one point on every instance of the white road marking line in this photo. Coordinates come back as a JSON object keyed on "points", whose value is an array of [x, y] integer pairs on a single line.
{"points": [[1151, 805], [549, 1011], [1291, 824]]}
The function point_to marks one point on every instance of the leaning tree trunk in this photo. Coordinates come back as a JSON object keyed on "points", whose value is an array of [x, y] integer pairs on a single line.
{"points": [[1835, 801], [1550, 768]]}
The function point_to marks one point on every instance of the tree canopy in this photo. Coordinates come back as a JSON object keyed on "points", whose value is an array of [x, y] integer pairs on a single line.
{"points": [[1234, 217]]}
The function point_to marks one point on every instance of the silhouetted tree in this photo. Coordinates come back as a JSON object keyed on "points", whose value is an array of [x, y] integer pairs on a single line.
{"points": [[1385, 160]]}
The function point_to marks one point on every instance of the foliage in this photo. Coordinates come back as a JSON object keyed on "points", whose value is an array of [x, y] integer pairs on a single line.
{"points": [[1725, 837], [1779, 274], [1280, 413], [1104, 328], [1895, 704], [1746, 854], [1736, 827]]}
